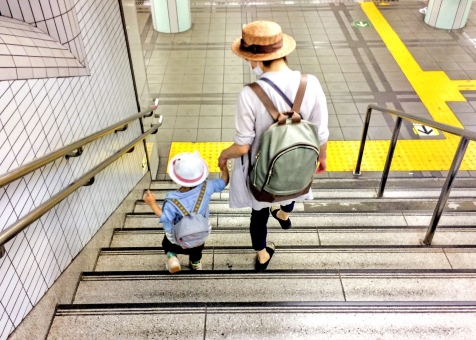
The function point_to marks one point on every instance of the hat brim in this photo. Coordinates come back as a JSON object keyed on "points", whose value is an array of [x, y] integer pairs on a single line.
{"points": [[173, 176], [289, 45]]}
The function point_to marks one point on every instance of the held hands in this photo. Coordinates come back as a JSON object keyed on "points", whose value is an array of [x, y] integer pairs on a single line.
{"points": [[222, 161]]}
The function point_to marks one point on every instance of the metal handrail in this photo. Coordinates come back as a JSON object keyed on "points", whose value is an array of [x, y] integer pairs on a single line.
{"points": [[67, 150], [465, 135], [9, 233]]}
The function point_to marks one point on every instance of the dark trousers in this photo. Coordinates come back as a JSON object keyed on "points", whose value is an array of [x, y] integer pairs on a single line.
{"points": [[195, 254], [259, 225]]}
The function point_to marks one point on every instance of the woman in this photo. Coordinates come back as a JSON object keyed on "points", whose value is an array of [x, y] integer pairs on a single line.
{"points": [[265, 47]]}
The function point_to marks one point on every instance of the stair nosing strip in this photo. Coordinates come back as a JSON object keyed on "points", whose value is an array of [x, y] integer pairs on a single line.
{"points": [[313, 228], [267, 307], [277, 272], [428, 212], [310, 247]]}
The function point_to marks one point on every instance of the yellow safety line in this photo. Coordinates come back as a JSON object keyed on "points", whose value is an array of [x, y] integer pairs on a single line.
{"points": [[434, 88]]}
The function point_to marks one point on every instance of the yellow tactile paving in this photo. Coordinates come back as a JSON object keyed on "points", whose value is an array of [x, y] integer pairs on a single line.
{"points": [[434, 89], [210, 151]]}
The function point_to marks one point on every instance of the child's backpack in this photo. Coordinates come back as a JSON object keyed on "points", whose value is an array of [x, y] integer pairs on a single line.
{"points": [[193, 229], [288, 155]]}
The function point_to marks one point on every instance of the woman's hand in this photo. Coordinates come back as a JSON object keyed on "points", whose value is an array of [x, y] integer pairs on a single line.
{"points": [[322, 166], [234, 151]]}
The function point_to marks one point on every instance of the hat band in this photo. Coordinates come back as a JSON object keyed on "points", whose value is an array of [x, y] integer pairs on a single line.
{"points": [[260, 49], [188, 180]]}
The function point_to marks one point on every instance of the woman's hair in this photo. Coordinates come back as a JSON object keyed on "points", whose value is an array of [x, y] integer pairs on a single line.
{"points": [[267, 63]]}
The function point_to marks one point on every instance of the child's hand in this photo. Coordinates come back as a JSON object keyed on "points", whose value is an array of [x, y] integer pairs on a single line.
{"points": [[225, 175], [149, 198]]}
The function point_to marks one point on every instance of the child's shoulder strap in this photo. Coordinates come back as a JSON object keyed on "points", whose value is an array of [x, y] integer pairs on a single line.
{"points": [[178, 205], [198, 203]]}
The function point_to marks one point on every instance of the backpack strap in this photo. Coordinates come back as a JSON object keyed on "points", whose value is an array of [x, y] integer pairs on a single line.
{"points": [[274, 86], [300, 93], [268, 103], [200, 198], [179, 206]]}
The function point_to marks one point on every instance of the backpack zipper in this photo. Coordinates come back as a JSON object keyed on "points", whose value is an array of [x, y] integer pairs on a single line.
{"points": [[270, 170]]}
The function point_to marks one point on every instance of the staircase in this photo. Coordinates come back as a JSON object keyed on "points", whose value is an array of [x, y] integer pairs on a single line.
{"points": [[352, 267]]}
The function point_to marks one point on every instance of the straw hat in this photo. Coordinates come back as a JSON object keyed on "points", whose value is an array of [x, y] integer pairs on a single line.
{"points": [[263, 40], [188, 169]]}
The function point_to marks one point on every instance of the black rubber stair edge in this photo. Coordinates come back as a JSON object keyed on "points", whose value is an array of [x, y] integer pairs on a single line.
{"points": [[399, 212], [306, 247], [272, 272], [306, 228], [270, 307]]}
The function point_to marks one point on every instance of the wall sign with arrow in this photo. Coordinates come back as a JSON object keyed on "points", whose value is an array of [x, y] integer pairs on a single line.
{"points": [[423, 130]]}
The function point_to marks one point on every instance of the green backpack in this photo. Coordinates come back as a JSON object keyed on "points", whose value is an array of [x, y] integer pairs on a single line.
{"points": [[288, 154]]}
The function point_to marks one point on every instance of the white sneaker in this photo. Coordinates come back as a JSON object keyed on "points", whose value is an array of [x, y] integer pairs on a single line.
{"points": [[196, 266], [173, 264], [422, 10]]}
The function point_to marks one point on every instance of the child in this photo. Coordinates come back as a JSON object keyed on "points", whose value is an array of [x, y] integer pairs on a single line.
{"points": [[189, 171]]}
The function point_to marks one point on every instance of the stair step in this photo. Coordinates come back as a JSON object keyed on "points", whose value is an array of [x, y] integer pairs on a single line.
{"points": [[152, 237], [362, 183], [148, 220], [299, 257], [352, 193], [344, 206], [271, 320], [236, 237], [282, 285]]}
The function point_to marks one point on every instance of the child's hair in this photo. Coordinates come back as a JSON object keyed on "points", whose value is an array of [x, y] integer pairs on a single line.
{"points": [[188, 169]]}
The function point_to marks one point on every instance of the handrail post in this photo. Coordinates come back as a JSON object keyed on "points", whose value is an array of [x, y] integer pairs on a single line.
{"points": [[144, 143], [141, 120], [388, 162], [445, 191], [362, 142]]}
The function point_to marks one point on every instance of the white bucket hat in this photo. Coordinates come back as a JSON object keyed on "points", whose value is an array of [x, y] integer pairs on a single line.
{"points": [[188, 169]]}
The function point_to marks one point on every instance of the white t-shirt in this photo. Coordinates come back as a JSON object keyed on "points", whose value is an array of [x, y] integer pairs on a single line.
{"points": [[252, 120]]}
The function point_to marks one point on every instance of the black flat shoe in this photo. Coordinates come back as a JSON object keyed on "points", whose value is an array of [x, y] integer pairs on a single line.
{"points": [[284, 224], [259, 267]]}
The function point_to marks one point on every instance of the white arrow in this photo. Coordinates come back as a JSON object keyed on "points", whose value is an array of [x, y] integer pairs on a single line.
{"points": [[361, 24]]}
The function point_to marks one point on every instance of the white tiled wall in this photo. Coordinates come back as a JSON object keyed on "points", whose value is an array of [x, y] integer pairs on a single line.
{"points": [[26, 52], [38, 116], [58, 18]]}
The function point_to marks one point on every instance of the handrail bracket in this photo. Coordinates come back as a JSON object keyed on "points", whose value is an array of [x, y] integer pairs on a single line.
{"points": [[89, 183], [2, 251], [77, 153], [124, 128]]}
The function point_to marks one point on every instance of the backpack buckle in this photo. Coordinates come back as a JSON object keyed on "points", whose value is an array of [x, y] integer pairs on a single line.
{"points": [[295, 117]]}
